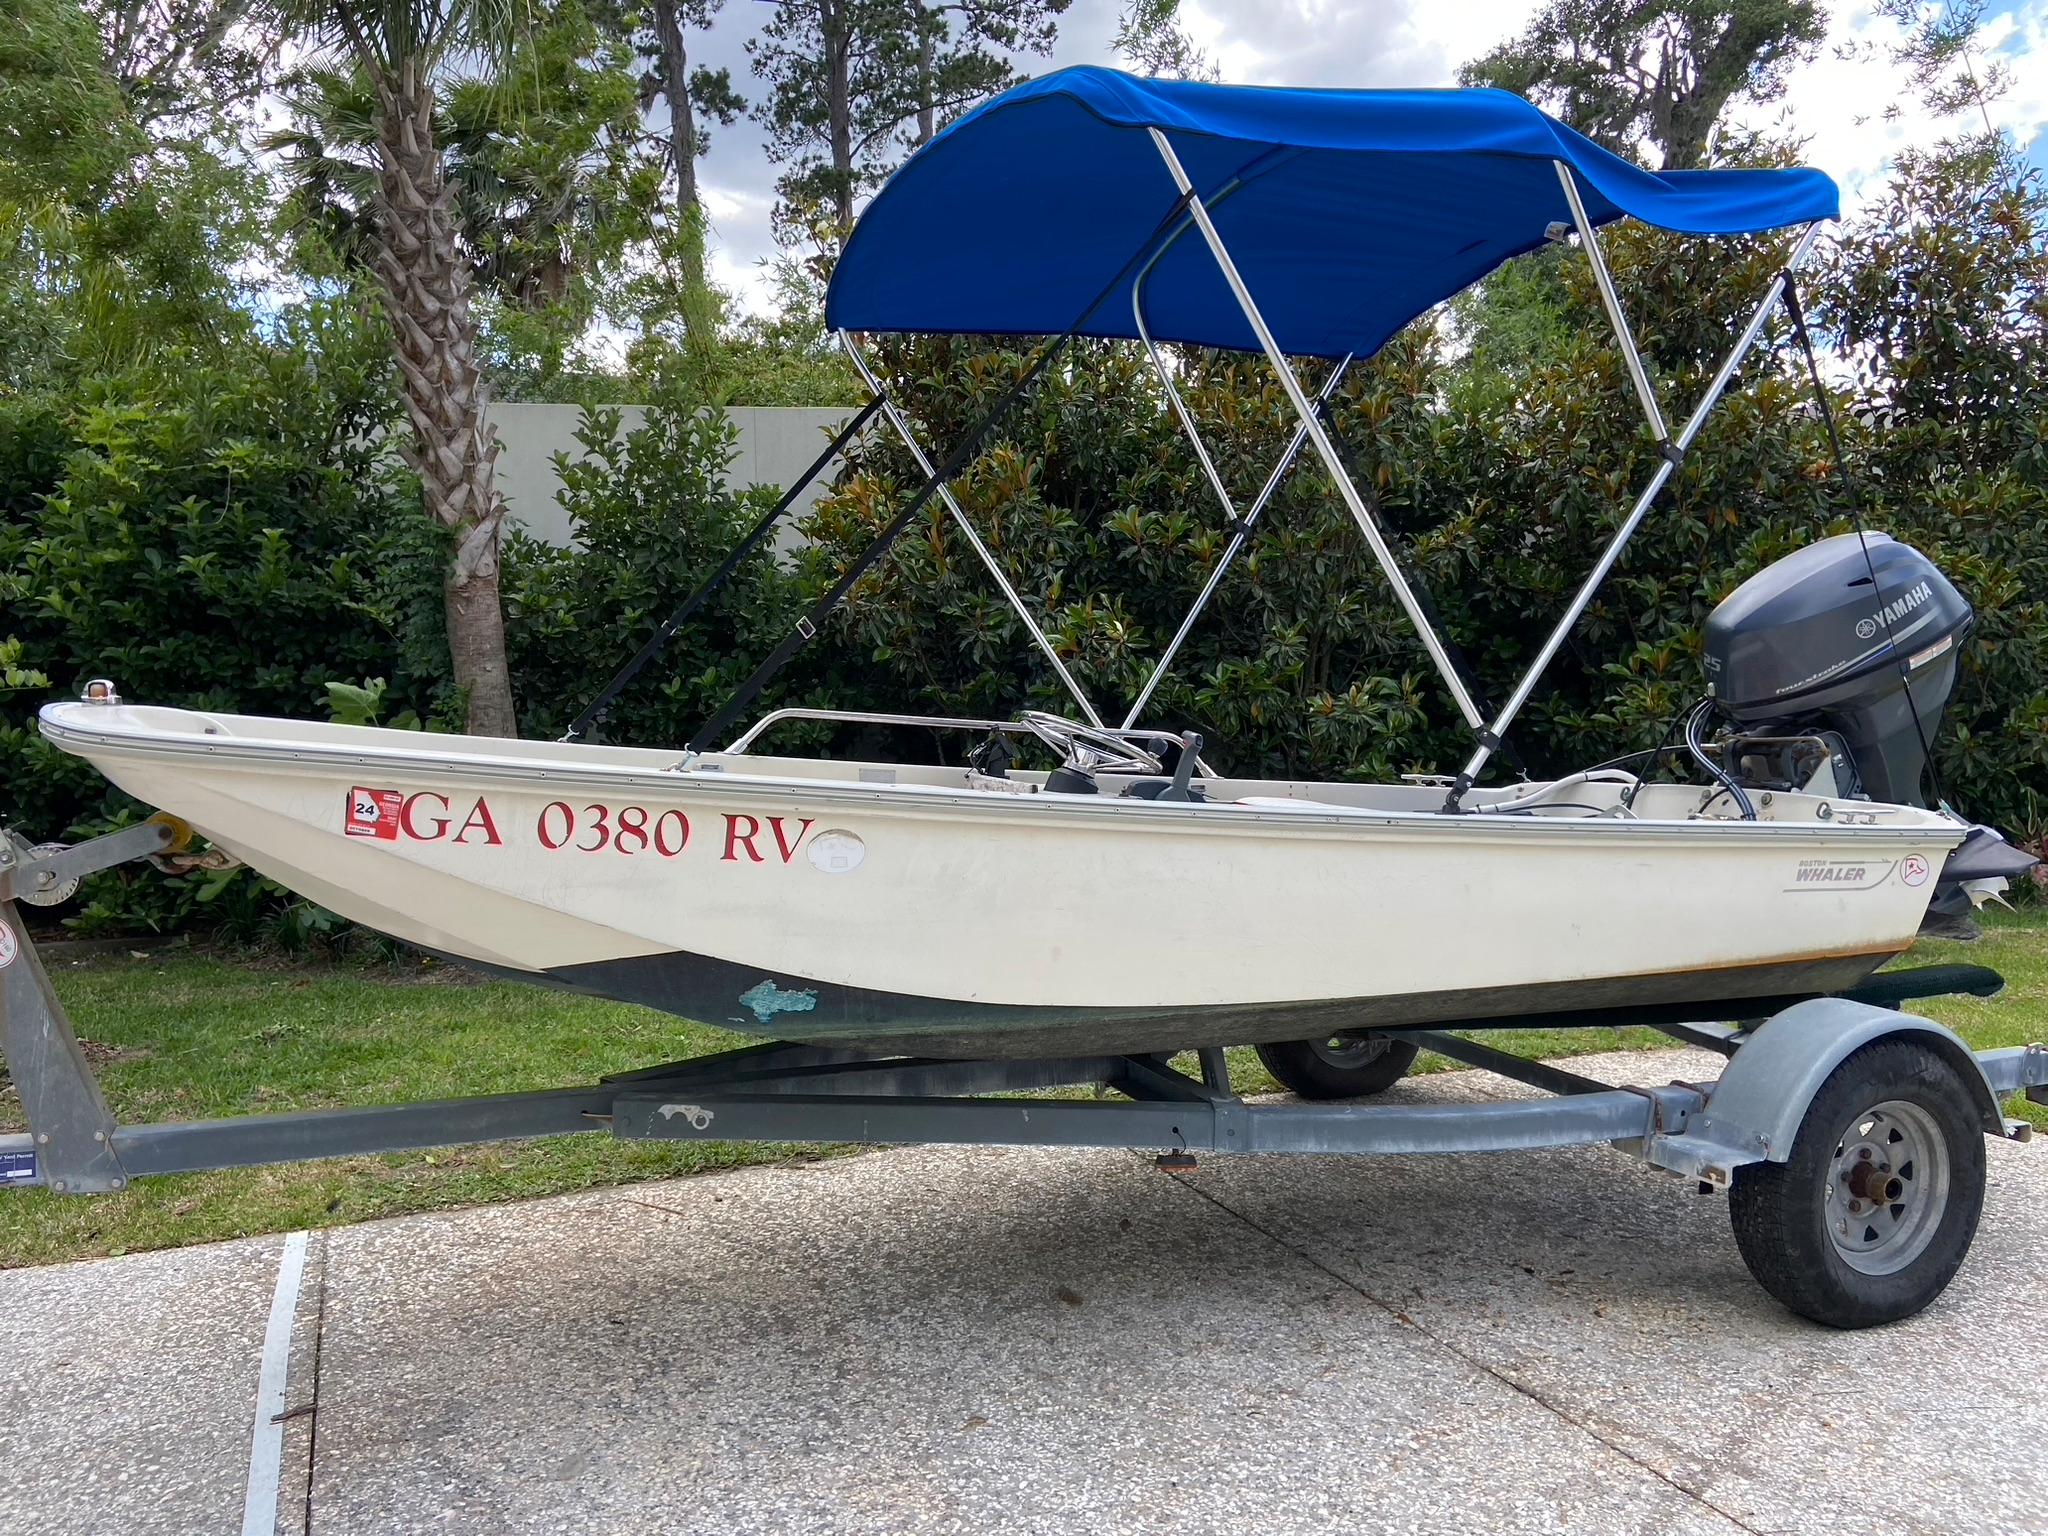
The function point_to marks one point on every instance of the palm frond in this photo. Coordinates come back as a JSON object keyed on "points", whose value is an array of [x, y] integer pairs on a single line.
{"points": [[383, 36]]}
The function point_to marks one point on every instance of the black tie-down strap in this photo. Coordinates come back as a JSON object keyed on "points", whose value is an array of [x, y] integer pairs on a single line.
{"points": [[718, 578], [1854, 495], [808, 626]]}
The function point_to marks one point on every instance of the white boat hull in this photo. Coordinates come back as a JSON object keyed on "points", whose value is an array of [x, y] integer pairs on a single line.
{"points": [[805, 900]]}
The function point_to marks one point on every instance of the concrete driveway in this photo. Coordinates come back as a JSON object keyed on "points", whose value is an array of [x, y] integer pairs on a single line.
{"points": [[1030, 1341]]}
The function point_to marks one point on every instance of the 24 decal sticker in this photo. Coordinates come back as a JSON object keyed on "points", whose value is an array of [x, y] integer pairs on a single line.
{"points": [[372, 813]]}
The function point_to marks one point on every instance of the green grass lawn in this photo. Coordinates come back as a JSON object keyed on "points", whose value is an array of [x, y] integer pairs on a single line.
{"points": [[190, 1036]]}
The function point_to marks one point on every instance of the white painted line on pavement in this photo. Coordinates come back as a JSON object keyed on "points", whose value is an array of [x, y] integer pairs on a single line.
{"points": [[266, 1444]]}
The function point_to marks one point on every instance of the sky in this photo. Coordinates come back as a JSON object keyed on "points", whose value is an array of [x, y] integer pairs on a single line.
{"points": [[1837, 103]]}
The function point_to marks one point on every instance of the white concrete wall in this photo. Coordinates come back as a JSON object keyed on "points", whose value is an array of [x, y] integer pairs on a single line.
{"points": [[776, 444]]}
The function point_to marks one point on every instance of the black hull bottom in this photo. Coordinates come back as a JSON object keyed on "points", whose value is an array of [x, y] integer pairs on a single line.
{"points": [[782, 1007]]}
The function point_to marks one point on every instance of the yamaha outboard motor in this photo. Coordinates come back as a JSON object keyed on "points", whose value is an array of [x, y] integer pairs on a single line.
{"points": [[1809, 647], [1804, 660]]}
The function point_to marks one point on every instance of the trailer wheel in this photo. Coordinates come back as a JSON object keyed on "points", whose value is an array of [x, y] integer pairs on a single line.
{"points": [[1339, 1066], [1870, 1217]]}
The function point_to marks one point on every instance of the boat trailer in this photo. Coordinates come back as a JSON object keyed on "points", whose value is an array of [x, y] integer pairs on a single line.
{"points": [[1774, 1119]]}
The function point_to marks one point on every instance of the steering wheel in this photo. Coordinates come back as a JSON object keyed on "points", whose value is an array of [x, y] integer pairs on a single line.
{"points": [[1089, 748]]}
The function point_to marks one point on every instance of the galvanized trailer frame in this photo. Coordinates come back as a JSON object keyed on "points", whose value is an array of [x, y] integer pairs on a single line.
{"points": [[796, 1093], [1797, 1129]]}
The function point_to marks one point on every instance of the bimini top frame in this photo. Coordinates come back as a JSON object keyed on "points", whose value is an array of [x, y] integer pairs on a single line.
{"points": [[1350, 211]]}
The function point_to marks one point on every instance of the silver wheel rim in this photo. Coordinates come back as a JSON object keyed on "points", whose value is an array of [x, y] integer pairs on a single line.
{"points": [[1350, 1051], [1887, 1187]]}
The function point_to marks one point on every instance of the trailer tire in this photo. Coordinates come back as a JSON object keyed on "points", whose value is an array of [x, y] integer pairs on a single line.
{"points": [[1349, 1066], [1870, 1217]]}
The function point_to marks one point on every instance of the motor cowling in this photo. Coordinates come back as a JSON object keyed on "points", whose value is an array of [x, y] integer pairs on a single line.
{"points": [[1811, 645]]}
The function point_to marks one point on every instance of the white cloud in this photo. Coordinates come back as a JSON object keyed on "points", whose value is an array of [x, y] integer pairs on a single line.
{"points": [[1855, 108], [1342, 43], [742, 237]]}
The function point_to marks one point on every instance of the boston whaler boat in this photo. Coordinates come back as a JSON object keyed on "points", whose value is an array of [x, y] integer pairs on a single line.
{"points": [[917, 941], [986, 912]]}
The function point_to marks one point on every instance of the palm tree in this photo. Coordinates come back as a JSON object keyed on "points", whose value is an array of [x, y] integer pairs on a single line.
{"points": [[401, 46], [553, 176]]}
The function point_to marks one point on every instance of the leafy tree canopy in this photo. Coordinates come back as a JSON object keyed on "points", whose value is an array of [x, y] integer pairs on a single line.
{"points": [[1626, 72], [851, 84], [117, 243]]}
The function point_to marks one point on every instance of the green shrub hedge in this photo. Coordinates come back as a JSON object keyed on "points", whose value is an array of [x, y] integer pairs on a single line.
{"points": [[230, 535]]}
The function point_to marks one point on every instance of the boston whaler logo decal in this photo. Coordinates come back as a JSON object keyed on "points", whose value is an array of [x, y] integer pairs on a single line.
{"points": [[1840, 874]]}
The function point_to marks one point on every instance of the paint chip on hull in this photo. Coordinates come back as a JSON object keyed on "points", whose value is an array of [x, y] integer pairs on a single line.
{"points": [[766, 1000]]}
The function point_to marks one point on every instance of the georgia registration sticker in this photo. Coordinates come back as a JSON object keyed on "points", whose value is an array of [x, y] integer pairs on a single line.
{"points": [[373, 813], [1914, 870]]}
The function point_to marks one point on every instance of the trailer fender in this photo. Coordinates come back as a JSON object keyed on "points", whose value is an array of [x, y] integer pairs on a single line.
{"points": [[1755, 1111]]}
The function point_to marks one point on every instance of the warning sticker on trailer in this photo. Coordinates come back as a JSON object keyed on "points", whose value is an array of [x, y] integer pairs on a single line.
{"points": [[9, 946], [373, 813]]}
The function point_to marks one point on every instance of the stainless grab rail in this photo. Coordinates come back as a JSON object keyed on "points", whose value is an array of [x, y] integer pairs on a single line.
{"points": [[931, 722]]}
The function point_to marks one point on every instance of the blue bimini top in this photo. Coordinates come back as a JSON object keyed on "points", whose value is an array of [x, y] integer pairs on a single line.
{"points": [[1348, 213]]}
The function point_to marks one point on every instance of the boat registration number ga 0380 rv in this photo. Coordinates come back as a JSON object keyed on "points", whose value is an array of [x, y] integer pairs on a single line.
{"points": [[563, 826]]}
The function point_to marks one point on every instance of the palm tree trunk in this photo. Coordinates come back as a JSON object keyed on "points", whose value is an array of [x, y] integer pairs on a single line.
{"points": [[426, 294]]}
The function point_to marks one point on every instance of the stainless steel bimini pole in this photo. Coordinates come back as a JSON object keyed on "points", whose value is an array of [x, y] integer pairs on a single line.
{"points": [[1173, 399], [1314, 427], [1674, 451], [1240, 536], [988, 559], [1241, 528], [1612, 303]]}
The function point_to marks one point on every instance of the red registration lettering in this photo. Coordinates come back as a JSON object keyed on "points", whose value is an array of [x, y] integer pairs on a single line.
{"points": [[555, 813], [438, 823], [735, 838], [632, 829], [787, 845], [628, 829], [662, 834], [479, 820]]}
